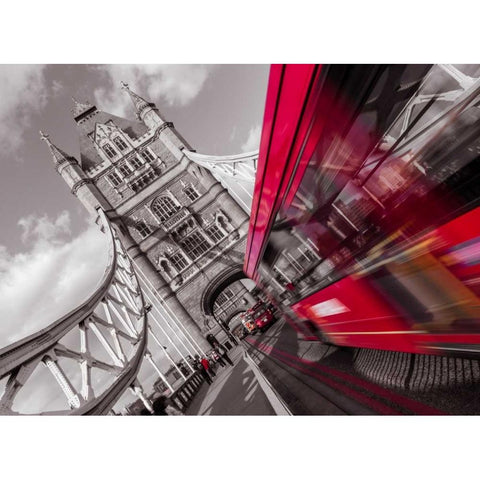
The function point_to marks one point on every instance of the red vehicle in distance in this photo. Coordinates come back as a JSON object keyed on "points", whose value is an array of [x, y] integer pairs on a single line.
{"points": [[261, 315]]}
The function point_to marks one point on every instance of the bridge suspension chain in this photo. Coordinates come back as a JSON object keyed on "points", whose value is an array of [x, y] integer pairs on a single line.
{"points": [[236, 173]]}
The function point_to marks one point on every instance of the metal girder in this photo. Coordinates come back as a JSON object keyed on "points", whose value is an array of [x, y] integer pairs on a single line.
{"points": [[240, 169], [118, 292]]}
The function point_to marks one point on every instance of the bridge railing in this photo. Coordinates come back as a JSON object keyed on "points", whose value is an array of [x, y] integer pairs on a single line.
{"points": [[183, 396]]}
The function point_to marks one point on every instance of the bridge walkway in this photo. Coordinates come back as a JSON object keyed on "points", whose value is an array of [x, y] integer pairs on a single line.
{"points": [[236, 390]]}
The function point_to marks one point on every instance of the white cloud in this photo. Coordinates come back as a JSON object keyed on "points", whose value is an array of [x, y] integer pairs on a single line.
{"points": [[171, 84], [55, 275], [233, 134], [24, 92], [41, 229], [253, 141], [57, 88]]}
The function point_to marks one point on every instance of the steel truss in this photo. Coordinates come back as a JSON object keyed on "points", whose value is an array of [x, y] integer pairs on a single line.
{"points": [[240, 169], [115, 315], [444, 93]]}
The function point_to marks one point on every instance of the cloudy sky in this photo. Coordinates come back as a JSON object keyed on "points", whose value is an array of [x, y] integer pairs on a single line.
{"points": [[51, 256]]}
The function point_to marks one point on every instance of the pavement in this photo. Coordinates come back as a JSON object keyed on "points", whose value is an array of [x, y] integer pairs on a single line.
{"points": [[237, 390]]}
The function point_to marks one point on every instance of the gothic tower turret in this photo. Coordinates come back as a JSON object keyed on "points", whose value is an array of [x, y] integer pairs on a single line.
{"points": [[80, 184], [147, 112]]}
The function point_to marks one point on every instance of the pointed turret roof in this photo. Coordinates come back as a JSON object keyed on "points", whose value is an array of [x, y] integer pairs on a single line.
{"points": [[59, 156], [139, 103], [80, 108]]}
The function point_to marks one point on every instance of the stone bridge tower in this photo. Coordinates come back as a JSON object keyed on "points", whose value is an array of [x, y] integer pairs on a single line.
{"points": [[179, 224]]}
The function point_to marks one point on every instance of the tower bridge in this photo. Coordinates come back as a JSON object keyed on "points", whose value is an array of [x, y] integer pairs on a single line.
{"points": [[176, 222], [172, 229]]}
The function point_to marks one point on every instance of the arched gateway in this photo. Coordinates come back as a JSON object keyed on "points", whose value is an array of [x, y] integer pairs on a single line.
{"points": [[217, 285]]}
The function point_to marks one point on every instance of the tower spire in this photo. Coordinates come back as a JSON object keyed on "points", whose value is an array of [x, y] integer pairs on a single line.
{"points": [[80, 108], [146, 111], [139, 103], [59, 156]]}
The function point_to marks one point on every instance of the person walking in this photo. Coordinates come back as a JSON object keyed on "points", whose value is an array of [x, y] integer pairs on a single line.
{"points": [[207, 367], [217, 358], [222, 352], [201, 369], [163, 406]]}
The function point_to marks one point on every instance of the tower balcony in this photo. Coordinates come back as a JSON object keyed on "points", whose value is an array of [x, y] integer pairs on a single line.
{"points": [[175, 219], [141, 177]]}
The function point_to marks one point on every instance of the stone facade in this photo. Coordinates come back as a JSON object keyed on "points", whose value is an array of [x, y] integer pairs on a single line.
{"points": [[178, 223]]}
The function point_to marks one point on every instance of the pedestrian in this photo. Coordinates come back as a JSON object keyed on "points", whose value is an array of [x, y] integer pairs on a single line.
{"points": [[222, 352], [217, 358], [159, 406], [201, 369], [207, 366], [163, 406]]}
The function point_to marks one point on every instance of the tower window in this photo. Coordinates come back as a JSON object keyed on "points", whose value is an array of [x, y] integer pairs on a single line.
{"points": [[125, 169], [143, 229], [135, 161], [164, 208], [179, 261], [121, 145], [195, 245], [115, 178], [215, 233], [147, 155], [107, 148], [224, 297], [191, 193]]}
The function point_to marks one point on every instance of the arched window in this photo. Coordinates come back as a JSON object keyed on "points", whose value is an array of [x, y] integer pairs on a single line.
{"points": [[107, 148], [164, 208], [164, 265], [223, 223], [121, 145]]}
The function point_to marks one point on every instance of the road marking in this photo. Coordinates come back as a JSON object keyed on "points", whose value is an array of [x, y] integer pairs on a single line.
{"points": [[279, 407]]}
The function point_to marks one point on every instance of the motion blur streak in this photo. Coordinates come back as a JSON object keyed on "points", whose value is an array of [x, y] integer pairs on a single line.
{"points": [[305, 366], [365, 225]]}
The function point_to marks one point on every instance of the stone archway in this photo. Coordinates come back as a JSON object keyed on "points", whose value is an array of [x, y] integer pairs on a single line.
{"points": [[219, 284]]}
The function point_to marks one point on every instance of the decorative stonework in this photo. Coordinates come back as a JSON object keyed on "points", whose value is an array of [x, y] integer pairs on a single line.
{"points": [[80, 108]]}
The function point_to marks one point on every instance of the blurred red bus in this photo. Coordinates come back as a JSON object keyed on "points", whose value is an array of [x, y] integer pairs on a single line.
{"points": [[365, 219]]}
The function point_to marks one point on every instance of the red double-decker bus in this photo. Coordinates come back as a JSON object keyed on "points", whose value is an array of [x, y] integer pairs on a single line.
{"points": [[365, 219]]}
